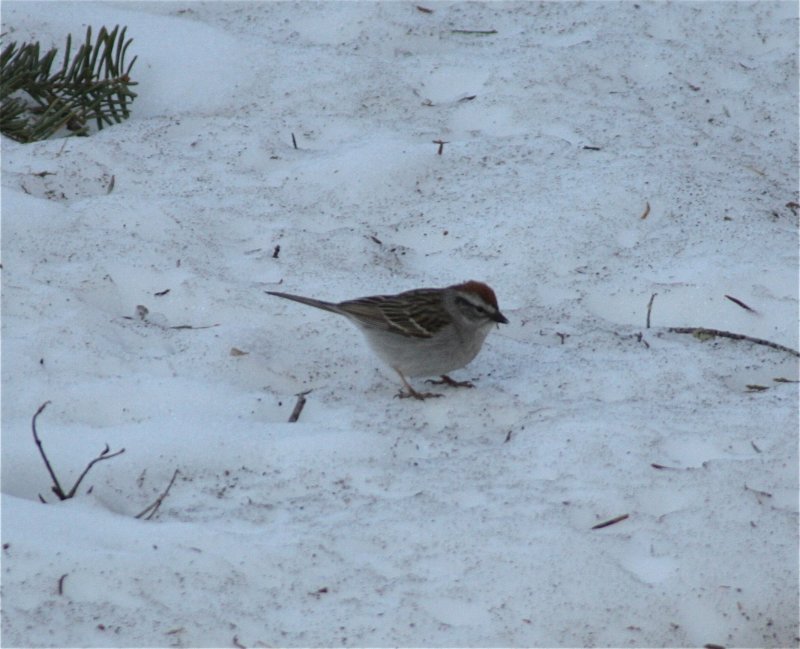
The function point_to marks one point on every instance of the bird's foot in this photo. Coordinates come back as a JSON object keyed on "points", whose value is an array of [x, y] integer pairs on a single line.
{"points": [[446, 380], [411, 393]]}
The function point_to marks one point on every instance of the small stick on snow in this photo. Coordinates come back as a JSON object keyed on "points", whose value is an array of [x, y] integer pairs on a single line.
{"points": [[105, 454], [741, 304], [294, 141], [701, 332], [759, 494], [298, 407], [646, 212], [152, 509], [477, 32], [441, 144], [613, 521], [61, 583], [650, 308]]}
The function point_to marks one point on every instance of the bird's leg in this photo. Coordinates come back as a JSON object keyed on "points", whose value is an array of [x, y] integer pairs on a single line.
{"points": [[412, 393], [446, 380]]}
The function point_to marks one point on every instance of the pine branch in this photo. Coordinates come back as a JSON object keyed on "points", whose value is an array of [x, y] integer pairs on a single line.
{"points": [[95, 84]]}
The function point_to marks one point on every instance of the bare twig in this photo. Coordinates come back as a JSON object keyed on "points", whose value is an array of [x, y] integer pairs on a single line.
{"points": [[61, 583], [477, 32], [57, 490], [104, 455], [700, 332], [194, 326], [646, 212], [613, 521], [294, 141], [650, 308], [441, 144], [57, 485], [148, 512], [759, 494], [741, 304], [298, 407]]}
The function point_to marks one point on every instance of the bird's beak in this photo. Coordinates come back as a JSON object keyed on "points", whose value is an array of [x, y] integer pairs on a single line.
{"points": [[500, 318]]}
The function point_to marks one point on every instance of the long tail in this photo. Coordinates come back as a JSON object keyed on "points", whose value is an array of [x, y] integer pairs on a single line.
{"points": [[326, 306]]}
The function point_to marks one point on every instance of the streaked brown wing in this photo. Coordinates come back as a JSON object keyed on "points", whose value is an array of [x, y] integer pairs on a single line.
{"points": [[408, 314]]}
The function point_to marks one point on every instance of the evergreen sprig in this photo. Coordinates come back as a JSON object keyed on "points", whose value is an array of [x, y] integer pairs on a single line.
{"points": [[94, 85]]}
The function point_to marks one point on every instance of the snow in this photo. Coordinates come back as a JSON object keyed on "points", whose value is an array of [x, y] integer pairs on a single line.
{"points": [[465, 520]]}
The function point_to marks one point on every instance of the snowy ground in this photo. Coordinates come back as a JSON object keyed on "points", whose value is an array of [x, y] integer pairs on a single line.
{"points": [[465, 520]]}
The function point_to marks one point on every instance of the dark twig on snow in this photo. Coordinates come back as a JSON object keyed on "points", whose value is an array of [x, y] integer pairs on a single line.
{"points": [[57, 490], [646, 212], [61, 583], [613, 521], [441, 144], [475, 32], [650, 308], [702, 332], [298, 407], [741, 304], [759, 494], [148, 512]]}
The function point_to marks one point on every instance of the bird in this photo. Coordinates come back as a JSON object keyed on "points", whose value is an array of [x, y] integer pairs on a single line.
{"points": [[421, 332]]}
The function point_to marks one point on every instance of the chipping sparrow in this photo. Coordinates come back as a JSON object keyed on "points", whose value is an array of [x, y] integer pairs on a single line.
{"points": [[422, 332]]}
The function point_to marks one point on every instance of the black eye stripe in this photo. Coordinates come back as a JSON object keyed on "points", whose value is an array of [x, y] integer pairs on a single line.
{"points": [[477, 307]]}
